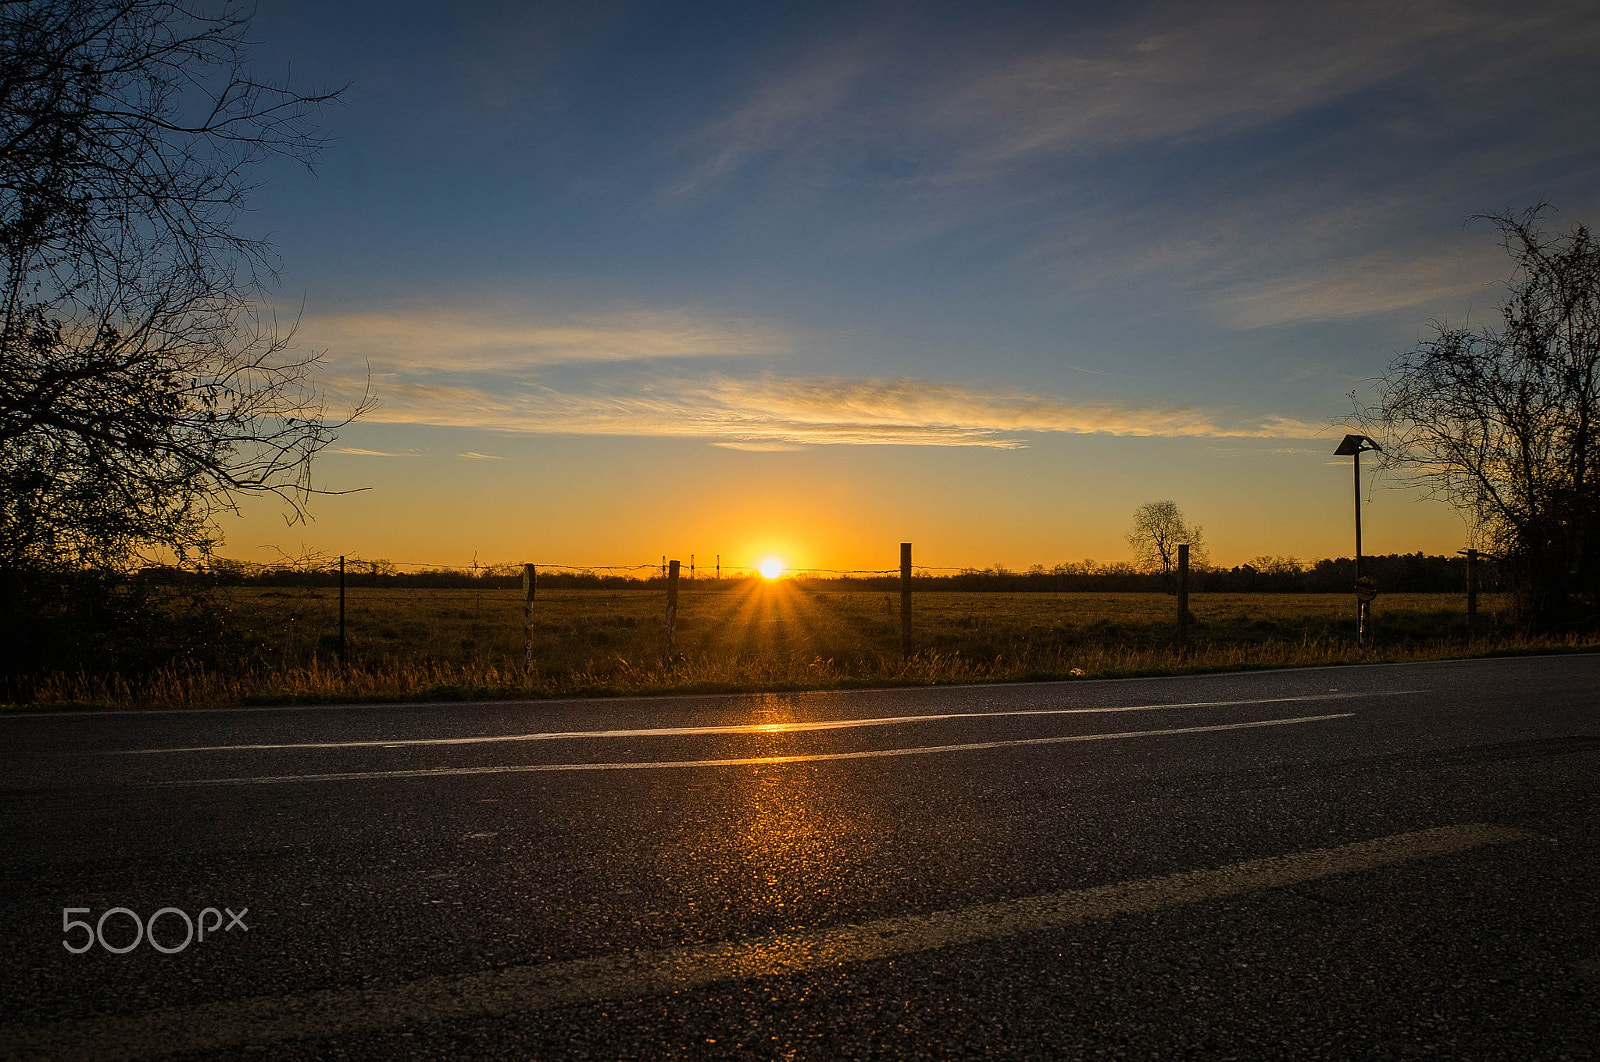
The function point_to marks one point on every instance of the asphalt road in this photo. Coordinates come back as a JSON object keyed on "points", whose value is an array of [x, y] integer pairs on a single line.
{"points": [[1387, 861]]}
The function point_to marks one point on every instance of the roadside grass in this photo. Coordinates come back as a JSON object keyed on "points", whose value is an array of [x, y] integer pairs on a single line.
{"points": [[407, 644]]}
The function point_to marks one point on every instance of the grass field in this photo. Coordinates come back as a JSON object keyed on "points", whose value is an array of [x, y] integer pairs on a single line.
{"points": [[586, 629], [751, 634]]}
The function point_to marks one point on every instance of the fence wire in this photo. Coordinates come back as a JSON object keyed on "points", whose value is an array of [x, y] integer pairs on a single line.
{"points": [[354, 564], [1244, 578]]}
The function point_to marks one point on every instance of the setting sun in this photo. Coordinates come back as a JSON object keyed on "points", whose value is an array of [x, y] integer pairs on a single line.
{"points": [[770, 568]]}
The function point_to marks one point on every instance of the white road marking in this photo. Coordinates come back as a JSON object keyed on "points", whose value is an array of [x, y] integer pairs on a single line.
{"points": [[230, 1024], [749, 761], [756, 728]]}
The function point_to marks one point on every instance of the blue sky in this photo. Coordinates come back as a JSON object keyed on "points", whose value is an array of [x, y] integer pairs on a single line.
{"points": [[638, 279]]}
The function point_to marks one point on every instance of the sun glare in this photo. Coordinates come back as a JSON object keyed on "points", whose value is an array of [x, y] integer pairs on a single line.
{"points": [[770, 568]]}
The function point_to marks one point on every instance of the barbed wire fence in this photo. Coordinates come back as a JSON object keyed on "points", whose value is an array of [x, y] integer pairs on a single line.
{"points": [[668, 571], [319, 563], [667, 574], [328, 565]]}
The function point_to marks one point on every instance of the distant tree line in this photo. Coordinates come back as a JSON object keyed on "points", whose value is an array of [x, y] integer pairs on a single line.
{"points": [[364, 573], [1397, 573]]}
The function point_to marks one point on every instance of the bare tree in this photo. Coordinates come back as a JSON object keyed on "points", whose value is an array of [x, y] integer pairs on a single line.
{"points": [[1159, 528], [1502, 421], [143, 387]]}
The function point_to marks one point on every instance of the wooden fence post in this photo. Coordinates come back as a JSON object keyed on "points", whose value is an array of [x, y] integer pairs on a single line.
{"points": [[1183, 594], [341, 612], [672, 606], [528, 576], [905, 600]]}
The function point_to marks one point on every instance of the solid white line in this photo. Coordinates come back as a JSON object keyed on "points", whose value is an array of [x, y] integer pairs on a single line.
{"points": [[214, 1028], [751, 761], [755, 728]]}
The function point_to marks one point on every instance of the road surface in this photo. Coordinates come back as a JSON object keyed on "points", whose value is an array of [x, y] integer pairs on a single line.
{"points": [[1386, 861]]}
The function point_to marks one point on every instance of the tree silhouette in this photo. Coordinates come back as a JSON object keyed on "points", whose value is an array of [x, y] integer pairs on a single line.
{"points": [[1159, 528], [1504, 421], [143, 386]]}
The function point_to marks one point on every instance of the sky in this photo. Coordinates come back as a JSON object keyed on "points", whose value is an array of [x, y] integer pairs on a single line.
{"points": [[810, 280]]}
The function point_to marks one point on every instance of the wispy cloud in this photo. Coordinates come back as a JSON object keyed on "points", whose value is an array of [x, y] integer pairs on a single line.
{"points": [[1365, 285], [1174, 73], [473, 455], [1379, 114], [789, 107], [781, 413], [356, 451], [498, 339], [1185, 71]]}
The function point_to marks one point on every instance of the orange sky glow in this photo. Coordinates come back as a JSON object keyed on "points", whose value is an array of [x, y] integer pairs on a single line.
{"points": [[832, 507]]}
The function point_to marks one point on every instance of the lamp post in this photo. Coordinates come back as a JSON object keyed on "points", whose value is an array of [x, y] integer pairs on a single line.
{"points": [[1366, 589]]}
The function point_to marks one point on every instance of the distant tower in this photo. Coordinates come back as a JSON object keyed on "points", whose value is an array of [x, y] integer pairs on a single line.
{"points": [[691, 565], [719, 566]]}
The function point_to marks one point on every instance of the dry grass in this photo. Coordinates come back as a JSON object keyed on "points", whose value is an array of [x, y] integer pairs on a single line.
{"points": [[442, 644], [576, 630]]}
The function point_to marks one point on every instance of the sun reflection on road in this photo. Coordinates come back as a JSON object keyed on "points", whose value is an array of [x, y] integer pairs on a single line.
{"points": [[796, 840]]}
